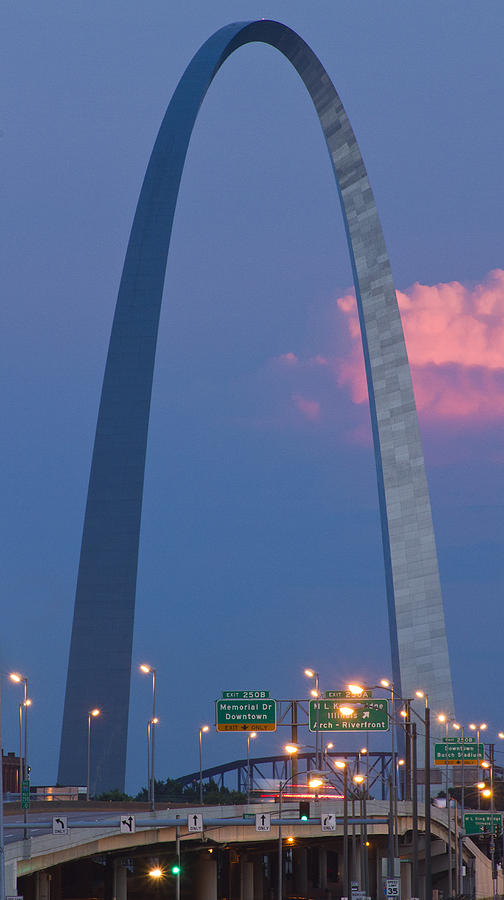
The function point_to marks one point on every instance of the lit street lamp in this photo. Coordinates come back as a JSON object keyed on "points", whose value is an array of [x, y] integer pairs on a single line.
{"points": [[203, 730], [149, 670], [92, 714], [251, 734]]}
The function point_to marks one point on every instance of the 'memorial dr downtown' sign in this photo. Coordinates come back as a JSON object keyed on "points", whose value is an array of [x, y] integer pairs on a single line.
{"points": [[245, 711], [361, 715]]}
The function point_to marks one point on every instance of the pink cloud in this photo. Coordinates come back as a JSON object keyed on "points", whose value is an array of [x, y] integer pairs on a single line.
{"points": [[455, 340], [287, 359], [310, 409]]}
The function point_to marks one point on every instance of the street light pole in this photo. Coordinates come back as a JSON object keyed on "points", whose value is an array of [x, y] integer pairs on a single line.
{"points": [[346, 873], [448, 810], [427, 804], [251, 734], [203, 730], [2, 841], [153, 739], [416, 892], [461, 836], [20, 771], [494, 872], [446, 721], [310, 673], [92, 714], [148, 761], [280, 853]]}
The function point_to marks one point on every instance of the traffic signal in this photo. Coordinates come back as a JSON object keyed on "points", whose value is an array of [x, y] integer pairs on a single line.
{"points": [[175, 869], [304, 810]]}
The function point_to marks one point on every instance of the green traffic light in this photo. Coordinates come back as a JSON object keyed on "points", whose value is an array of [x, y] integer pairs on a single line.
{"points": [[175, 869], [304, 818]]}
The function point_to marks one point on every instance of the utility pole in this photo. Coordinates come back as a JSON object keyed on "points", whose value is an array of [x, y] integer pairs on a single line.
{"points": [[427, 799], [2, 842], [416, 892]]}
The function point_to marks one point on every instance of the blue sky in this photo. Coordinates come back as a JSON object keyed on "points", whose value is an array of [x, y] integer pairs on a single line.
{"points": [[260, 549]]}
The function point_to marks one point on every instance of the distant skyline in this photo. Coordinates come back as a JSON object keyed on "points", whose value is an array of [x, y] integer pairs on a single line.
{"points": [[262, 554]]}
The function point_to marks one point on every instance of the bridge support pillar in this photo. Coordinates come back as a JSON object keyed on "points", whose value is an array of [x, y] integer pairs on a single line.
{"points": [[259, 878], [11, 878], [301, 871], [247, 879], [322, 861], [120, 890], [206, 878], [406, 880], [43, 886]]}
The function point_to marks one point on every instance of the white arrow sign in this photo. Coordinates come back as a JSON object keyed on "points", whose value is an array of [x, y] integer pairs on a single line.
{"points": [[128, 825], [60, 825], [328, 822], [195, 822], [263, 822]]}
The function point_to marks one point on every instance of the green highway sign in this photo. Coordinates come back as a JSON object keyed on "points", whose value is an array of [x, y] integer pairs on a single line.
{"points": [[245, 715], [347, 695], [245, 695], [459, 740], [481, 823], [469, 752], [366, 715], [25, 793]]}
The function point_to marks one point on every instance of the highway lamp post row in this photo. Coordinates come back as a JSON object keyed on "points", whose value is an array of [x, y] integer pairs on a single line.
{"points": [[314, 782], [149, 670], [393, 826], [358, 780], [412, 730]]}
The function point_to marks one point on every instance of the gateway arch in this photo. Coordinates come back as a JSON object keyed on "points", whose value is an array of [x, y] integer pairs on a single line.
{"points": [[100, 653]]}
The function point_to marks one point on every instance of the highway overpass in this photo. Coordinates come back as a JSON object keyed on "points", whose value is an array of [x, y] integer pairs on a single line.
{"points": [[229, 860]]}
